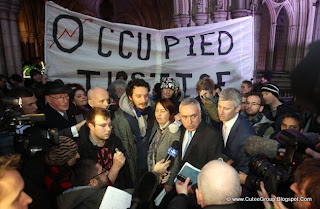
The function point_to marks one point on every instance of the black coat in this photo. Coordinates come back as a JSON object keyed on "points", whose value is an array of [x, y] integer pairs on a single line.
{"points": [[206, 145]]}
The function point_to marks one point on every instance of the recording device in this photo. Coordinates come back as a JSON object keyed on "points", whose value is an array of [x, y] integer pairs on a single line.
{"points": [[28, 138], [172, 152], [266, 165], [143, 192], [256, 145], [183, 179], [225, 159]]}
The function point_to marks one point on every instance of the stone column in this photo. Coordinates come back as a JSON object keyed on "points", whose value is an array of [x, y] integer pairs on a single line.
{"points": [[272, 36], [316, 35], [200, 16], [241, 10], [15, 36], [221, 12], [6, 37]]}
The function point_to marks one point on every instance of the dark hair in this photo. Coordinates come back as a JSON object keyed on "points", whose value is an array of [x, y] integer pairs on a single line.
{"points": [[121, 74], [205, 84], [249, 83], [91, 115], [19, 91], [16, 77], [72, 94], [2, 77], [258, 94], [309, 171], [136, 83], [83, 171], [157, 88], [295, 116], [217, 87], [75, 85], [169, 106]]}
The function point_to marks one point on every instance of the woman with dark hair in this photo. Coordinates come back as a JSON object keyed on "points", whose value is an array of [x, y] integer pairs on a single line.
{"points": [[79, 103], [161, 138]]}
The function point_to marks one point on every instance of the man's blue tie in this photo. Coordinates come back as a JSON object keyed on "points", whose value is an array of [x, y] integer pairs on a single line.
{"points": [[188, 142]]}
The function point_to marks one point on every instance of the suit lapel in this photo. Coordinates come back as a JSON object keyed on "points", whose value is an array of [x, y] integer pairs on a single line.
{"points": [[233, 131], [195, 138]]}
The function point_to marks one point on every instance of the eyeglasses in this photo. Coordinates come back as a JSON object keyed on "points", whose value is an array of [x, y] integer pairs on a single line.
{"points": [[252, 103], [60, 99], [104, 125], [103, 171]]}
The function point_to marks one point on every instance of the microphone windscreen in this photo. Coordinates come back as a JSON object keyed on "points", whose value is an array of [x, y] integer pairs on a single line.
{"points": [[176, 145], [145, 188], [255, 145]]}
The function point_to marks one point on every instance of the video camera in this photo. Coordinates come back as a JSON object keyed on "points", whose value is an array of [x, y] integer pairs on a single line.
{"points": [[28, 137], [277, 173]]}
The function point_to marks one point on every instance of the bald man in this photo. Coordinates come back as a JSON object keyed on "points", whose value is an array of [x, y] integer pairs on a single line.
{"points": [[98, 97], [218, 183]]}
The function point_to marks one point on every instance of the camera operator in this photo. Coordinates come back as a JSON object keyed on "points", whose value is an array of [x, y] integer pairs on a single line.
{"points": [[29, 100], [306, 193]]}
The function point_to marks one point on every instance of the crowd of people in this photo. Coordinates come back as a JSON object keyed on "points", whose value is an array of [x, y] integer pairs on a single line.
{"points": [[111, 137]]}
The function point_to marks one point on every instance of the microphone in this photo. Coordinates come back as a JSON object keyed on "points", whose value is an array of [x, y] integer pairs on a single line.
{"points": [[174, 127], [144, 190], [255, 145], [172, 152], [224, 158]]}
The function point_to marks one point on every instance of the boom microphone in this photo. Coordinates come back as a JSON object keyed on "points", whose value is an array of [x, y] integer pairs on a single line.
{"points": [[255, 145], [172, 152], [32, 118], [143, 192]]}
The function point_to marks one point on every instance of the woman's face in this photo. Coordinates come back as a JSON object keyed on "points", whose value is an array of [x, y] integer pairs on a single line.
{"points": [[162, 115], [80, 98]]}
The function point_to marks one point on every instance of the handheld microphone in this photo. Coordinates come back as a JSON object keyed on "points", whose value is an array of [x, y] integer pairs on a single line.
{"points": [[255, 145], [174, 127], [172, 152], [144, 190], [224, 158]]}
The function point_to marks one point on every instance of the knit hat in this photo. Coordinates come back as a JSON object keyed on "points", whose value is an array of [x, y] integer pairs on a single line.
{"points": [[60, 154], [34, 72], [169, 83], [272, 88]]}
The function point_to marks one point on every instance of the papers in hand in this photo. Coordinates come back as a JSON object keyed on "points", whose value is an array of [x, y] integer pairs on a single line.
{"points": [[115, 199], [190, 171]]}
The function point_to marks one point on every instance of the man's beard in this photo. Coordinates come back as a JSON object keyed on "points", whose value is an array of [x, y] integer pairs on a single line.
{"points": [[252, 114]]}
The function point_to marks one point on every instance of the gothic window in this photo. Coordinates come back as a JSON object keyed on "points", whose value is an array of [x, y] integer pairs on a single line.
{"points": [[264, 38], [281, 38]]}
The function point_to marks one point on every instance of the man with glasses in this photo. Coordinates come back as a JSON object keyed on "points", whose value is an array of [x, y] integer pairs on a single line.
{"points": [[254, 107], [97, 142], [57, 109], [90, 180]]}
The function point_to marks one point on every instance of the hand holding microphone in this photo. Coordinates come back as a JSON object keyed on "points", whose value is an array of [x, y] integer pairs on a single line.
{"points": [[161, 167]]}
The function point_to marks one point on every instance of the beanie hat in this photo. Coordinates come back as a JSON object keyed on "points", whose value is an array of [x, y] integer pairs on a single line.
{"points": [[60, 154], [272, 88], [34, 72], [169, 83]]}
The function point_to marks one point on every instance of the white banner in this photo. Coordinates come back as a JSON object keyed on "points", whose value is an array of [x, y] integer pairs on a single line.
{"points": [[80, 48]]}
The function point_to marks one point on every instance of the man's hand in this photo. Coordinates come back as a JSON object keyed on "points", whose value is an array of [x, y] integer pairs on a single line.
{"points": [[161, 167], [242, 177], [182, 187], [165, 177], [118, 160], [79, 125], [264, 193], [278, 204]]}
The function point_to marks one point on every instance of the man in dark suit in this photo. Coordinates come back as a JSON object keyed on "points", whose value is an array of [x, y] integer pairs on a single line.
{"points": [[235, 130], [57, 109], [200, 143]]}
